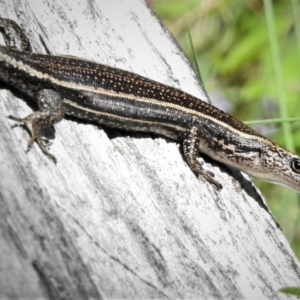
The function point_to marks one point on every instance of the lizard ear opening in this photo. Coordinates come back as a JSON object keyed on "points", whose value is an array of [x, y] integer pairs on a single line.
{"points": [[295, 165]]}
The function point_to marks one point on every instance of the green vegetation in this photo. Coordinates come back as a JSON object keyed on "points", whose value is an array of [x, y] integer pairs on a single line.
{"points": [[291, 291], [249, 55]]}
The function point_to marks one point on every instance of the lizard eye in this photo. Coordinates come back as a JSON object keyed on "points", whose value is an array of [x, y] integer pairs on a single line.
{"points": [[295, 165]]}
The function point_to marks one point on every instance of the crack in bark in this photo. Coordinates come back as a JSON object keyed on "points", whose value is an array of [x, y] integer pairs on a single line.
{"points": [[117, 260]]}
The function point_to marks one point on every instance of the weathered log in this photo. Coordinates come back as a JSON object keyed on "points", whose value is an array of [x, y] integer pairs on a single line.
{"points": [[121, 215]]}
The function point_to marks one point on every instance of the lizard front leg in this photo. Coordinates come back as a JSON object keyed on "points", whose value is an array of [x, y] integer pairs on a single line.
{"points": [[50, 112], [191, 151], [50, 103]]}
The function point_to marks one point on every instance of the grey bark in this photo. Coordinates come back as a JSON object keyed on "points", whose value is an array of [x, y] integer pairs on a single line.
{"points": [[121, 215]]}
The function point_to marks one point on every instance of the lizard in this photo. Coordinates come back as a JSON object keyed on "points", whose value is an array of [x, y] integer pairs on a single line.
{"points": [[72, 86]]}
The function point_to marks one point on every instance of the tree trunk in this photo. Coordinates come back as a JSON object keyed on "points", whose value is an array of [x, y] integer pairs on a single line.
{"points": [[121, 215]]}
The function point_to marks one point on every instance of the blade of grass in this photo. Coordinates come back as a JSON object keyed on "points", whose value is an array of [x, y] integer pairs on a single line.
{"points": [[296, 13], [279, 120], [193, 49], [290, 291], [286, 127]]}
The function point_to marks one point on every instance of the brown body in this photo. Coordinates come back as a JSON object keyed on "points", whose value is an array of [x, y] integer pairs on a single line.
{"points": [[88, 90]]}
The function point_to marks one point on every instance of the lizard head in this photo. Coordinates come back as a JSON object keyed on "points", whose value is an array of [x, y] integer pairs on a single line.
{"points": [[279, 166]]}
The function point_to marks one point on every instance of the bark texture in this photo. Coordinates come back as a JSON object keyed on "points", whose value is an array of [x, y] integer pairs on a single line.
{"points": [[121, 215]]}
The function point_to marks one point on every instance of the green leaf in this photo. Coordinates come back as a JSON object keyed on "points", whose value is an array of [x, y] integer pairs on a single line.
{"points": [[291, 291]]}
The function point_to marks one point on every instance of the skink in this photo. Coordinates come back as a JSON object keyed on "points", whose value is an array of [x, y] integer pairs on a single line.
{"points": [[65, 85]]}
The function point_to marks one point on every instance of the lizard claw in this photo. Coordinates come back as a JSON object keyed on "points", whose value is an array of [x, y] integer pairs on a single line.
{"points": [[32, 124]]}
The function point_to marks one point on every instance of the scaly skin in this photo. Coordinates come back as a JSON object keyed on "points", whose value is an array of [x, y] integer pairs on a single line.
{"points": [[99, 93]]}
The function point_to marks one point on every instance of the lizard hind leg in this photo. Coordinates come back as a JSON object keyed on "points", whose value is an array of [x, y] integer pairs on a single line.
{"points": [[190, 150], [50, 112], [14, 36]]}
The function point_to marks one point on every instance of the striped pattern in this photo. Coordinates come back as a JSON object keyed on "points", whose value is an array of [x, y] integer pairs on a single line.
{"points": [[117, 98], [102, 93]]}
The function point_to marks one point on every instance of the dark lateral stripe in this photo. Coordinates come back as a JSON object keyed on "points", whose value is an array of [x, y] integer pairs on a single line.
{"points": [[115, 120], [129, 107], [90, 77]]}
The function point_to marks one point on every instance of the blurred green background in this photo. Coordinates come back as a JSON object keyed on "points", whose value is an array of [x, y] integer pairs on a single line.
{"points": [[243, 77]]}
